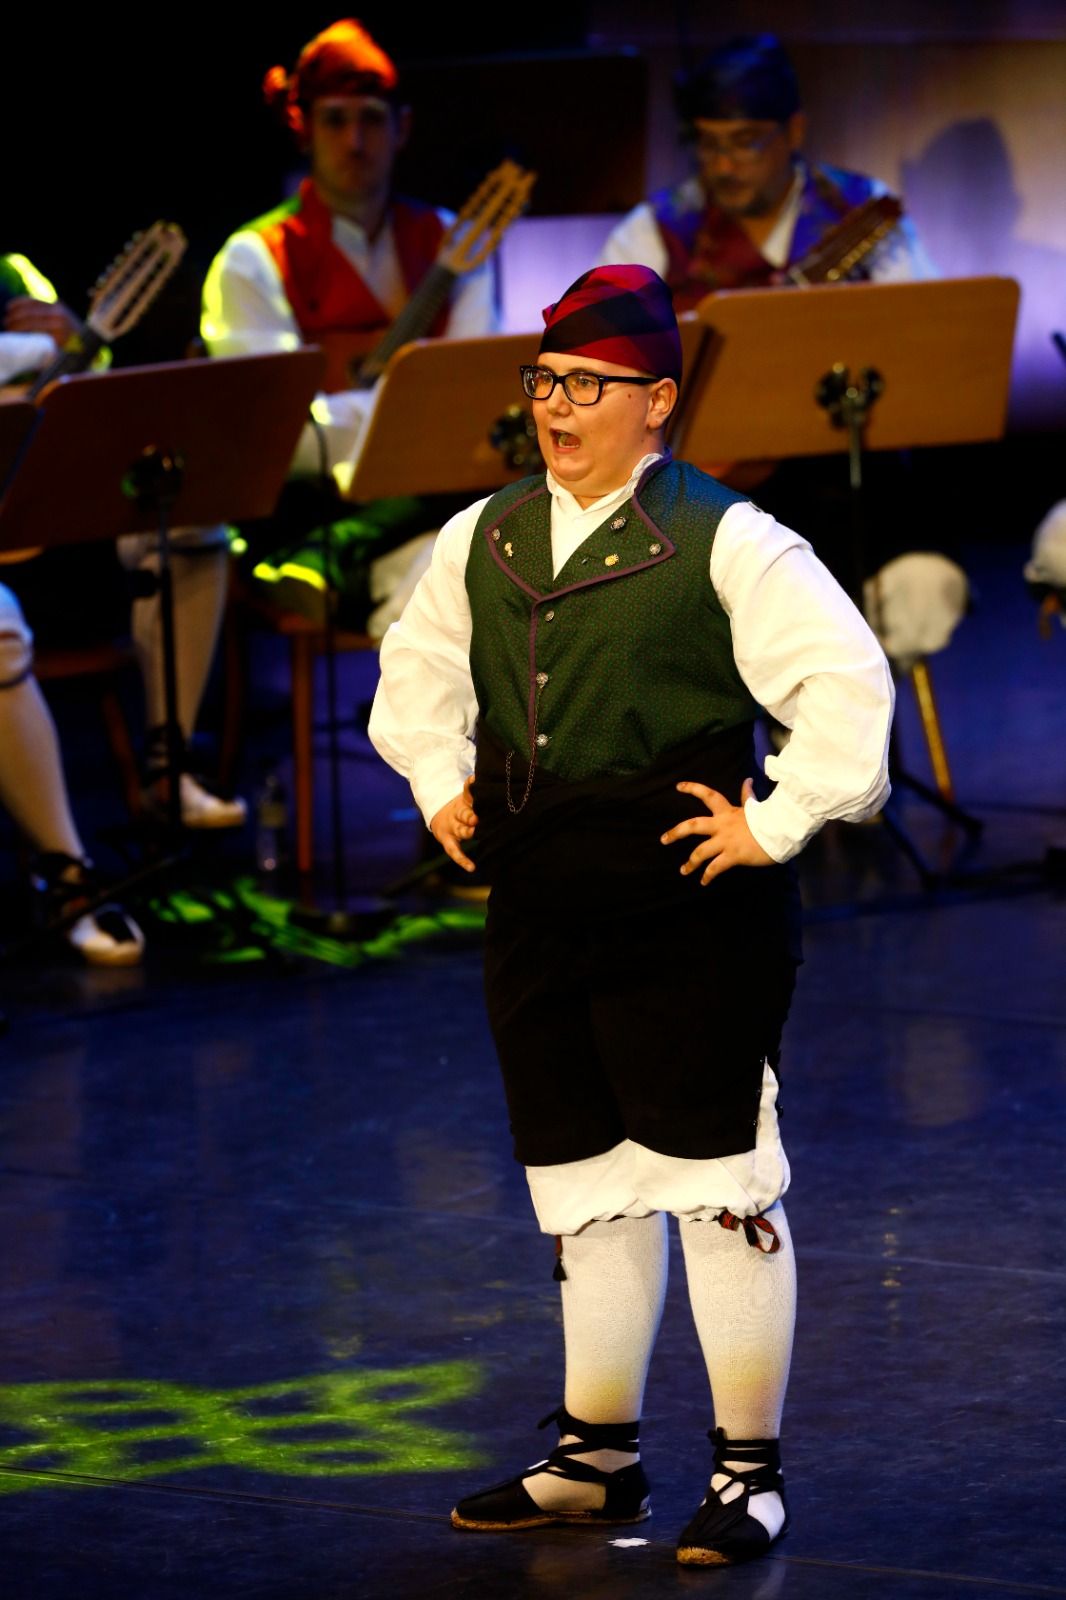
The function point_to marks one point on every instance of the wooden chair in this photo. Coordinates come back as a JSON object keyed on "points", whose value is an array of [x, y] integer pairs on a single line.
{"points": [[105, 661], [307, 642]]}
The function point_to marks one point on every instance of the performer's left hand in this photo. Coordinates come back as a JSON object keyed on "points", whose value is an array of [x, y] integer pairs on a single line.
{"points": [[26, 315], [729, 842]]}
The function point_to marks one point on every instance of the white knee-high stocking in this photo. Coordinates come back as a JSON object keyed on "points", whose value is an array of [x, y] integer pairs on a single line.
{"points": [[744, 1305], [32, 785], [612, 1304]]}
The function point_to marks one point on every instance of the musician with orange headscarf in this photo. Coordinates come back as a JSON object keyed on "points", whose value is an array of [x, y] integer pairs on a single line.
{"points": [[340, 258]]}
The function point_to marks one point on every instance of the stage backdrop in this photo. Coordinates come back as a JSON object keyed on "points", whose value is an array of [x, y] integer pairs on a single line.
{"points": [[961, 107]]}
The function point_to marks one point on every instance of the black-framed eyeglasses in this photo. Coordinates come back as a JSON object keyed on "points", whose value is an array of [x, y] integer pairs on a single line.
{"points": [[581, 388], [745, 145]]}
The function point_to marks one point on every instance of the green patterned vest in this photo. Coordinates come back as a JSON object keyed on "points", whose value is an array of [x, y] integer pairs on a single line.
{"points": [[626, 651]]}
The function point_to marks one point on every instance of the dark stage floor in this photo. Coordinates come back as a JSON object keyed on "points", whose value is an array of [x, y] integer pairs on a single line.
{"points": [[273, 1297]]}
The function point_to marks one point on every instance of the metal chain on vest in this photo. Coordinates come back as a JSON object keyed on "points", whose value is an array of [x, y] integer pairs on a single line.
{"points": [[512, 808]]}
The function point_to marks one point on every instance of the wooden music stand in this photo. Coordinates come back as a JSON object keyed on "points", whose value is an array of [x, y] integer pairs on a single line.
{"points": [[141, 450], [943, 348], [941, 353], [17, 422], [429, 431], [235, 424]]}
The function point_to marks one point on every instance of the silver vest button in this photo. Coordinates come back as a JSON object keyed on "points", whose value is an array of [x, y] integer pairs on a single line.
{"points": [[542, 678], [618, 524], [542, 740], [549, 616]]}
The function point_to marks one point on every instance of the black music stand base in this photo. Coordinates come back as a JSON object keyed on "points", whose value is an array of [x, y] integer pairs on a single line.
{"points": [[849, 402], [930, 876], [359, 920]]}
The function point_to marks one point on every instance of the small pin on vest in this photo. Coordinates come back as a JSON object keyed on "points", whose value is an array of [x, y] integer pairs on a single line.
{"points": [[496, 535], [655, 549], [610, 561], [508, 548], [618, 524]]}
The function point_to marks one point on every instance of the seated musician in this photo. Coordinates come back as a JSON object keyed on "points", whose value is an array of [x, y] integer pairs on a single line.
{"points": [[753, 209], [341, 258], [33, 787], [754, 206], [36, 327]]}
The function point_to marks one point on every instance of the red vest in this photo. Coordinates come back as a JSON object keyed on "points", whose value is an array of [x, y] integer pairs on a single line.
{"points": [[326, 293]]}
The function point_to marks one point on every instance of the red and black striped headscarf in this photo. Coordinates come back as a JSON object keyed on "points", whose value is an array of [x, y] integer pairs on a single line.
{"points": [[623, 314]]}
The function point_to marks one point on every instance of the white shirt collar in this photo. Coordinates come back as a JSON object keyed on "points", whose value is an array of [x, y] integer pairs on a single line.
{"points": [[777, 245], [565, 502]]}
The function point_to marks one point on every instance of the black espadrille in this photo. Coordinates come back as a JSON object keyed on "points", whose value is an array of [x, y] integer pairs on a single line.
{"points": [[725, 1532], [509, 1507]]}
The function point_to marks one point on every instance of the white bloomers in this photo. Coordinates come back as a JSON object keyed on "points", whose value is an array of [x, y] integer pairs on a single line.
{"points": [[630, 1180]]}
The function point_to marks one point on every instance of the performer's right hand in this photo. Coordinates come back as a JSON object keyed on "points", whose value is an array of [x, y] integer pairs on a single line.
{"points": [[455, 822]]}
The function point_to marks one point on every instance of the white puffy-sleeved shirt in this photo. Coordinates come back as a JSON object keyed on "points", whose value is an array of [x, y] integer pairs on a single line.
{"points": [[801, 647], [899, 258], [21, 353], [246, 312]]}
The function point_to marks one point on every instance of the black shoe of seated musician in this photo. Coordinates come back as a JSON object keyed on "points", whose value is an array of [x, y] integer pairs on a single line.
{"points": [[69, 895]]}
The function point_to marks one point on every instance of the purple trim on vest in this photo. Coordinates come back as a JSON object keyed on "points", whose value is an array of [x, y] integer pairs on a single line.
{"points": [[531, 698], [494, 544], [668, 549]]}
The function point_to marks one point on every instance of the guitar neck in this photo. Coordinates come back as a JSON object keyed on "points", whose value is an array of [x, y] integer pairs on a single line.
{"points": [[840, 250], [413, 322], [68, 361]]}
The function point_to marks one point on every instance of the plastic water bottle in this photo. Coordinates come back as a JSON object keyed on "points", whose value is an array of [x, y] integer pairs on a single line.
{"points": [[271, 826]]}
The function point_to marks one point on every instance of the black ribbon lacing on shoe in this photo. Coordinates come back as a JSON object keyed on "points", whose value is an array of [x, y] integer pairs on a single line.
{"points": [[66, 898], [760, 1234], [588, 1436], [762, 1476], [725, 1527]]}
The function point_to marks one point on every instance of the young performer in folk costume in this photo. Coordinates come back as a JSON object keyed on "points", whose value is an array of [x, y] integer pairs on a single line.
{"points": [[754, 207], [341, 258], [593, 645]]}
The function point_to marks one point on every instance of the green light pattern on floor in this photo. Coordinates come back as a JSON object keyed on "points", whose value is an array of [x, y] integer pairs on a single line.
{"points": [[261, 926], [332, 1425]]}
